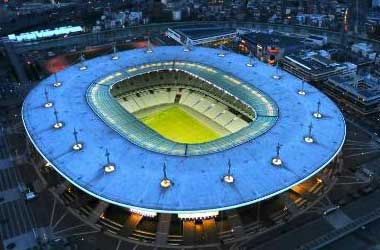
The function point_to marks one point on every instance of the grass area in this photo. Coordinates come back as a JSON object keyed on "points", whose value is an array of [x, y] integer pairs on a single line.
{"points": [[175, 124]]}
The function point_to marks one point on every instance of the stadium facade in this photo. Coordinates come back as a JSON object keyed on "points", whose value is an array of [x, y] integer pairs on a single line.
{"points": [[276, 155]]}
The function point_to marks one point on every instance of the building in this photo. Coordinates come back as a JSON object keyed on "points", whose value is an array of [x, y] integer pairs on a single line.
{"points": [[45, 34], [316, 41], [112, 20], [315, 66], [269, 47], [365, 50], [200, 34], [317, 20], [361, 94], [372, 23], [133, 183]]}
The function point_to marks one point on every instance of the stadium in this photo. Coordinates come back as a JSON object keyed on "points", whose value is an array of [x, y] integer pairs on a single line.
{"points": [[183, 148]]}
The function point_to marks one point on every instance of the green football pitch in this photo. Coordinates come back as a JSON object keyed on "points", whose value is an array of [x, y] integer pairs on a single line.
{"points": [[175, 124]]}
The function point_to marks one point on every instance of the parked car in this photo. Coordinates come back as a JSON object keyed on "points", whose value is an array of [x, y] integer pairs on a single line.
{"points": [[29, 194]]}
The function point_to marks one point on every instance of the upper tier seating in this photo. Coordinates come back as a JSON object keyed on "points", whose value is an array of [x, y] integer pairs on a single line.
{"points": [[205, 105]]}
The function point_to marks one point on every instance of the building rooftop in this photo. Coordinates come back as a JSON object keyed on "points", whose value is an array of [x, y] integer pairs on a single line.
{"points": [[197, 180], [272, 39], [314, 62], [195, 32], [364, 88]]}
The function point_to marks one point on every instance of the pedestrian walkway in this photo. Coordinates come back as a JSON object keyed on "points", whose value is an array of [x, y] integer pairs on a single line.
{"points": [[338, 219], [22, 242], [16, 219], [8, 178], [3, 145], [9, 195], [3, 152], [16, 223], [328, 238], [5, 163]]}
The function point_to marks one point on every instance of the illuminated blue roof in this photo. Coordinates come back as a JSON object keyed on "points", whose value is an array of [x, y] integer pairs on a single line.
{"points": [[197, 179]]}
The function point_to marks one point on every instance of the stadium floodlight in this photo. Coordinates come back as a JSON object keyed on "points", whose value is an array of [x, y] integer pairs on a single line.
{"points": [[143, 212], [48, 103], [115, 55], [302, 90], [165, 182], [187, 47], [82, 66], [58, 124], [109, 167], [221, 52], [198, 216], [277, 75], [250, 61], [309, 138], [77, 145], [56, 82], [149, 48], [228, 178], [276, 161], [318, 113]]}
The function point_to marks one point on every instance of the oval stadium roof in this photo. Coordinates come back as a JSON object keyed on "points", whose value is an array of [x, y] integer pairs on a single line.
{"points": [[198, 185]]}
